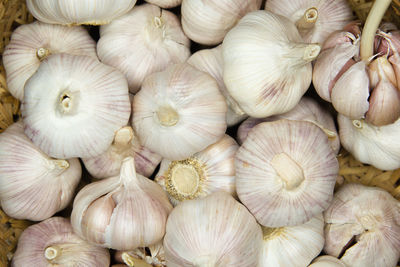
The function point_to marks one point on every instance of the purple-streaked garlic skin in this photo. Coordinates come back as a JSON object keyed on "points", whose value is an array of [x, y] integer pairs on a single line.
{"points": [[389, 42], [285, 172], [57, 233]]}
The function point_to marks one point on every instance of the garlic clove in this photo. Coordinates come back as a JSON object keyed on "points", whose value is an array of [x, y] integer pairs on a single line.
{"points": [[395, 60], [327, 261], [381, 69], [165, 3], [338, 38]]}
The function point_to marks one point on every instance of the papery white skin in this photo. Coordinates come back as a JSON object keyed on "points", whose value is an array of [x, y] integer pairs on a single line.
{"points": [[212, 231], [207, 22], [370, 216], [21, 58], [369, 144], [327, 261], [285, 172], [73, 105], [72, 12], [218, 171], [332, 16], [165, 3], [189, 102], [211, 62], [144, 41], [294, 246], [122, 212], [32, 185], [267, 67], [57, 233]]}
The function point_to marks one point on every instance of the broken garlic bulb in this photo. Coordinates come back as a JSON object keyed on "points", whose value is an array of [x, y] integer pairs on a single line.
{"points": [[165, 3], [33, 186]]}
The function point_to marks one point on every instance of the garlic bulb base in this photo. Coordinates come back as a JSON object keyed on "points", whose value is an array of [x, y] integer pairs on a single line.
{"points": [[307, 21], [52, 252], [42, 53], [167, 116]]}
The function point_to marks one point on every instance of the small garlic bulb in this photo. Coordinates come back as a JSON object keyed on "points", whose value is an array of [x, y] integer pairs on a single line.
{"points": [[122, 212], [285, 172], [315, 19], [31, 43], [211, 62], [267, 66], [294, 246], [207, 22], [212, 231], [32, 185], [179, 112], [75, 12], [53, 243], [73, 105], [207, 171], [327, 261], [125, 144], [144, 41], [165, 3], [363, 227]]}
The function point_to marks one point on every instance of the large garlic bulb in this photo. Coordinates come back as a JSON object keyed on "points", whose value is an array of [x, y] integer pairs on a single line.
{"points": [[212, 231], [122, 212], [267, 65], [32, 185], [165, 3], [53, 243], [73, 105], [145, 40], [294, 246], [179, 112], [72, 12], [363, 227], [207, 171], [32, 43], [285, 172]]}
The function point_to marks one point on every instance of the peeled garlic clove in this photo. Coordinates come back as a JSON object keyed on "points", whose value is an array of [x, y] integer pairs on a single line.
{"points": [[285, 172], [315, 20], [53, 243], [73, 105], [31, 43], [212, 231], [125, 144], [75, 12], [327, 261], [122, 212], [363, 225], [267, 67], [207, 22], [165, 3], [351, 91], [294, 246], [179, 112], [32, 185], [144, 41], [205, 172]]}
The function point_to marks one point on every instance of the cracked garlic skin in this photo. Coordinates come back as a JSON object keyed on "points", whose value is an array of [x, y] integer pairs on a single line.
{"points": [[73, 105], [144, 41], [363, 227], [53, 243], [76, 12], [285, 172], [33, 186], [32, 43], [212, 231]]}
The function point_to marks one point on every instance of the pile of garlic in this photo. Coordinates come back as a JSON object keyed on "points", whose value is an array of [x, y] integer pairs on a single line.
{"points": [[172, 182]]}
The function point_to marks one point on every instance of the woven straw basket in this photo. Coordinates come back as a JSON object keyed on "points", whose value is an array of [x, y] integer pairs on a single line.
{"points": [[14, 13]]}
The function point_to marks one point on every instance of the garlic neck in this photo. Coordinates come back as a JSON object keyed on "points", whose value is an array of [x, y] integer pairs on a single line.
{"points": [[205, 261], [42, 53], [288, 170], [52, 252], [124, 136], [167, 116], [308, 20], [271, 233], [302, 53], [133, 262], [57, 166], [156, 29], [359, 124], [128, 175], [67, 102]]}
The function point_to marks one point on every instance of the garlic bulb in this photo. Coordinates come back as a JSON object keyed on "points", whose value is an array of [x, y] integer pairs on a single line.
{"points": [[212, 231], [31, 43], [363, 226], [315, 19], [32, 185], [327, 261], [145, 40], [75, 12], [122, 212], [285, 172], [53, 243], [294, 246], [125, 144], [179, 112], [207, 171], [73, 105], [211, 62], [165, 3], [207, 22], [267, 66]]}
